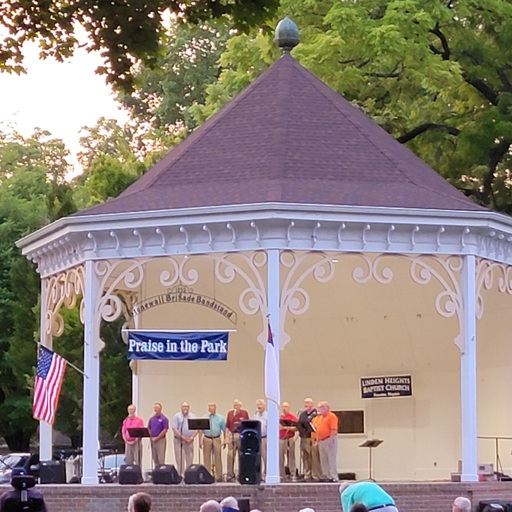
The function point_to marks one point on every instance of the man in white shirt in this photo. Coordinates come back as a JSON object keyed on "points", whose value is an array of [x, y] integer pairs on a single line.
{"points": [[262, 415]]}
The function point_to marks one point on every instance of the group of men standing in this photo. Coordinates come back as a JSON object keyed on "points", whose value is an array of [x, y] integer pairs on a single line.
{"points": [[317, 429]]}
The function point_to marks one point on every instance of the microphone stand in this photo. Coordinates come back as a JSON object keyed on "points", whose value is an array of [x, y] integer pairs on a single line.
{"points": [[181, 444]]}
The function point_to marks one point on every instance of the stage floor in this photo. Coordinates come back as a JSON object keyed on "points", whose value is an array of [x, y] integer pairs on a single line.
{"points": [[322, 497]]}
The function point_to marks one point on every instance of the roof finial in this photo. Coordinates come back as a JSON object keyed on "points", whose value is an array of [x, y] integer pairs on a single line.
{"points": [[287, 35]]}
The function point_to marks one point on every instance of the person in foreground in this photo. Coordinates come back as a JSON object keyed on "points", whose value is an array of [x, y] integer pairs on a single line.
{"points": [[210, 506], [358, 507], [18, 492], [461, 504], [139, 502], [369, 494], [229, 504]]}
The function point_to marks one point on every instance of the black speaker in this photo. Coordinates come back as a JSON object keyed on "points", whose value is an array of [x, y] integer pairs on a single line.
{"points": [[130, 474], [166, 474], [244, 504], [249, 461], [198, 474], [495, 505], [52, 472]]}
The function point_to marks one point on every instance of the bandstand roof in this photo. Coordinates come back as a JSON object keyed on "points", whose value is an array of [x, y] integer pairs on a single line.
{"points": [[287, 164], [288, 138]]}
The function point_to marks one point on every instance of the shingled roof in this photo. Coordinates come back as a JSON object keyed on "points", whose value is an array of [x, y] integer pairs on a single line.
{"points": [[288, 138]]}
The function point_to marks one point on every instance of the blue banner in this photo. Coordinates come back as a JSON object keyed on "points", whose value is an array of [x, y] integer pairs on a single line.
{"points": [[178, 346]]}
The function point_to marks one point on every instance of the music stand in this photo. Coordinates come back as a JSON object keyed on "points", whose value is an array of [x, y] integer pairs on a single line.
{"points": [[371, 444], [139, 432], [199, 424]]}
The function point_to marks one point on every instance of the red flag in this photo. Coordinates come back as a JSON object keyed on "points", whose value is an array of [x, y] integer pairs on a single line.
{"points": [[272, 386], [49, 377]]}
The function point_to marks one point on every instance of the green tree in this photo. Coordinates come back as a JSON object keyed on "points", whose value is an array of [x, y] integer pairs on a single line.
{"points": [[124, 32], [112, 158], [19, 288], [186, 65], [115, 379], [33, 192], [435, 74]]}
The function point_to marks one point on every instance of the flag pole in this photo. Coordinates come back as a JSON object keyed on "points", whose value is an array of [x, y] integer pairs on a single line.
{"points": [[39, 344]]}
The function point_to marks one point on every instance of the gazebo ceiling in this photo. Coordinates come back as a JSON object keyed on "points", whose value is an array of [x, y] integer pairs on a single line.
{"points": [[288, 138]]}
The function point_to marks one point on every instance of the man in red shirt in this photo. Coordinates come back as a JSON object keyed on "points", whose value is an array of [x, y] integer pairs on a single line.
{"points": [[232, 435], [133, 447], [287, 441]]}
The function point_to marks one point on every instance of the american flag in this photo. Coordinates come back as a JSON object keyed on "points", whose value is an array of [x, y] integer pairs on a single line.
{"points": [[49, 376], [272, 386]]}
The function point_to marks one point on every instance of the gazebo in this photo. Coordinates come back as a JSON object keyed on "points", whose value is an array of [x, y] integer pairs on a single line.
{"points": [[291, 204]]}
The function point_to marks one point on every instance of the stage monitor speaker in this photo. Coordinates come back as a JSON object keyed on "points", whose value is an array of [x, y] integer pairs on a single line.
{"points": [[166, 474], [52, 472], [244, 504], [496, 505], [130, 474], [249, 461], [198, 474]]}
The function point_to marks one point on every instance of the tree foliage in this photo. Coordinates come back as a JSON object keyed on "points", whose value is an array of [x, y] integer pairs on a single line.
{"points": [[125, 32], [24, 189], [34, 192], [186, 65], [434, 73]]}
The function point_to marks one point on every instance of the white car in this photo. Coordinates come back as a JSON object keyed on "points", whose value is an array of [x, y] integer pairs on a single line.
{"points": [[108, 467]]}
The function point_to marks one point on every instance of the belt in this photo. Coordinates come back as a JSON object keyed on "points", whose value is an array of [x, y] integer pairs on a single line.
{"points": [[382, 506], [212, 437]]}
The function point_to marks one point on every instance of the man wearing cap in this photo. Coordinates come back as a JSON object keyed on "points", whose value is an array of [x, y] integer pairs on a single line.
{"points": [[16, 493], [370, 494]]}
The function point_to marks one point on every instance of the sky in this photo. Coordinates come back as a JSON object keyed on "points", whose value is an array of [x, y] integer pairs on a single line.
{"points": [[58, 97]]}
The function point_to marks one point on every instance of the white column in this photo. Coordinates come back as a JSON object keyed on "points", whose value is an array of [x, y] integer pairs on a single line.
{"points": [[91, 402], [468, 373], [273, 300], [45, 430]]}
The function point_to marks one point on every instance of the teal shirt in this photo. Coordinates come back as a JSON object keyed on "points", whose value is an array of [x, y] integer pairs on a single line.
{"points": [[217, 423], [368, 493]]}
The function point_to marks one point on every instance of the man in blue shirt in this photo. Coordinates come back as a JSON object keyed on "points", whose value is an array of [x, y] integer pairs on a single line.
{"points": [[210, 441], [370, 494], [183, 438]]}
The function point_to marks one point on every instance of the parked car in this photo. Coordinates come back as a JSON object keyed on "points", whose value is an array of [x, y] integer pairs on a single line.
{"points": [[108, 467], [28, 461]]}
